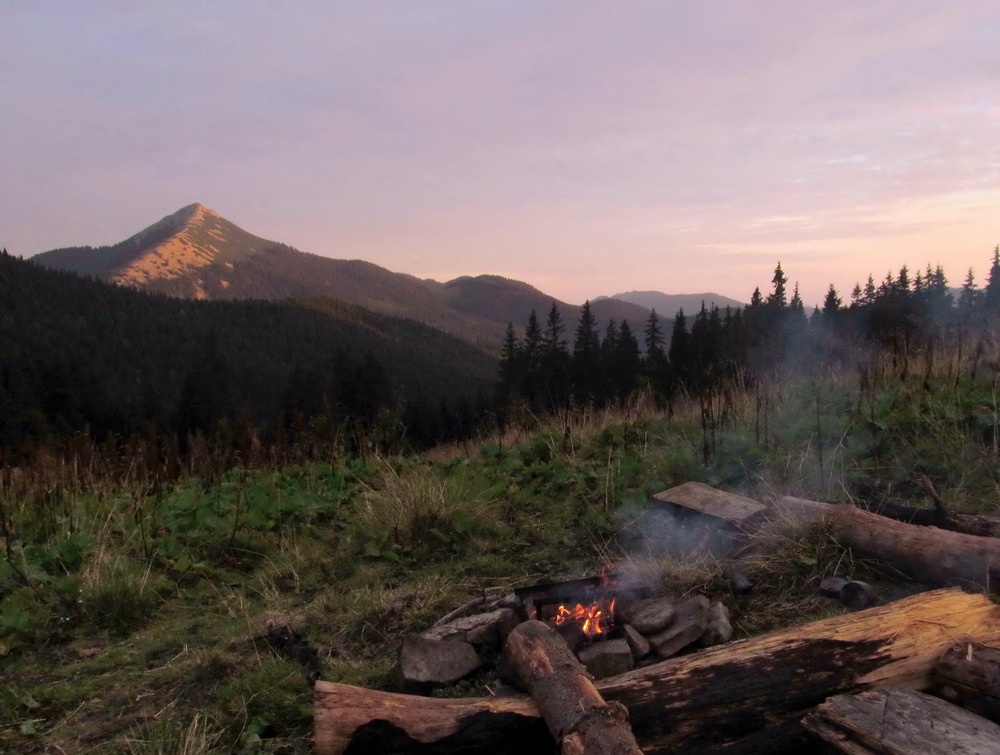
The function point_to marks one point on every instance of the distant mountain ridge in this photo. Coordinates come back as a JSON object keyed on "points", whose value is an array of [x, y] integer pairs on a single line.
{"points": [[195, 253], [667, 305]]}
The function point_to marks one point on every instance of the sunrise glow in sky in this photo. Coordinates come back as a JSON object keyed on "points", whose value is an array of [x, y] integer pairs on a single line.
{"points": [[587, 148]]}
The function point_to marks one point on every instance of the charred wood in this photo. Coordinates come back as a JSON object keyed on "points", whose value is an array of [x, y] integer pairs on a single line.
{"points": [[892, 721]]}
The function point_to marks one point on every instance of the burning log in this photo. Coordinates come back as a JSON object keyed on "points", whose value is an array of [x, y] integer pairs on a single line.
{"points": [[576, 714], [969, 675], [886, 721], [751, 690], [927, 554]]}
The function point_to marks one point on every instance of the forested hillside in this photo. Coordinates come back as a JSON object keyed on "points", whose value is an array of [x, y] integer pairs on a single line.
{"points": [[904, 324], [80, 355]]}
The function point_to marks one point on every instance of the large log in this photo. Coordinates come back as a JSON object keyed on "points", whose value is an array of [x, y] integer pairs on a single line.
{"points": [[748, 690], [927, 554], [894, 721], [969, 675], [574, 711], [970, 524]]}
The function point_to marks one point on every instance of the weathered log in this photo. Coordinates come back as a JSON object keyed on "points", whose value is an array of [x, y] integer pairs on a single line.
{"points": [[969, 675], [354, 721], [893, 721], [927, 554], [577, 716], [751, 690], [970, 524]]}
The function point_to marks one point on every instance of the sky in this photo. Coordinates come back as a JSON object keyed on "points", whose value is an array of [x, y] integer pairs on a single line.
{"points": [[587, 148]]}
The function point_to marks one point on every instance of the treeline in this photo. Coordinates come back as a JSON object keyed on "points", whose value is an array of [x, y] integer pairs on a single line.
{"points": [[905, 321], [78, 356]]}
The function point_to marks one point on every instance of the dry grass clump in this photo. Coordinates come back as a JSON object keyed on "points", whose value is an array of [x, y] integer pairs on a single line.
{"points": [[170, 736]]}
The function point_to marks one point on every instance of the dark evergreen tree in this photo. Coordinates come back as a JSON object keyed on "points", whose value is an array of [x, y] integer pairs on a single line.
{"points": [[656, 367], [777, 297], [680, 353], [586, 360], [969, 298], [511, 366], [626, 366], [555, 361], [991, 295]]}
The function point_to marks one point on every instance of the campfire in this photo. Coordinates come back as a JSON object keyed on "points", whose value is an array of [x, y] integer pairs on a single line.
{"points": [[592, 620], [587, 604]]}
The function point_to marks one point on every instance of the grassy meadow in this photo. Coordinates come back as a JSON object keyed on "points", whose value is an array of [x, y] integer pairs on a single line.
{"points": [[133, 612]]}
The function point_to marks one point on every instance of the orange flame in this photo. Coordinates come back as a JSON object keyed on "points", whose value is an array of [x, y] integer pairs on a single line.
{"points": [[590, 618]]}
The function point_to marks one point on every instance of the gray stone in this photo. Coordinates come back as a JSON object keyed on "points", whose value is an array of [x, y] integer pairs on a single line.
{"points": [[831, 587], [718, 630], [692, 618], [607, 658], [479, 629], [424, 661], [639, 644], [858, 595], [650, 616]]}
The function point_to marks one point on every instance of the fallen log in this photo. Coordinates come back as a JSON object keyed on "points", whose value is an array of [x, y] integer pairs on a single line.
{"points": [[927, 554], [969, 675], [576, 715], [751, 689], [970, 524], [354, 721], [892, 721]]}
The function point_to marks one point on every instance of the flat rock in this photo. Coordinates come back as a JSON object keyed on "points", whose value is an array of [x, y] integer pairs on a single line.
{"points": [[718, 630], [607, 658], [639, 644], [692, 618], [424, 661], [479, 629], [651, 615]]}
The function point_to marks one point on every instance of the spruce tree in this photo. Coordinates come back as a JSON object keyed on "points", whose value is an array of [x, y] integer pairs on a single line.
{"points": [[777, 297], [991, 297], [586, 360]]}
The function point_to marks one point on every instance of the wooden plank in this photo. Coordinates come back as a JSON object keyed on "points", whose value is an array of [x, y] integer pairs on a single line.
{"points": [[900, 721], [703, 499]]}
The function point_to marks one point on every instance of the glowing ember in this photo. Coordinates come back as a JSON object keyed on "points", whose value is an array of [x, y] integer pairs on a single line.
{"points": [[592, 619]]}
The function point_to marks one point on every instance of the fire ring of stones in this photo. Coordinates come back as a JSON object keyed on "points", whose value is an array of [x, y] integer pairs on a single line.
{"points": [[610, 625]]}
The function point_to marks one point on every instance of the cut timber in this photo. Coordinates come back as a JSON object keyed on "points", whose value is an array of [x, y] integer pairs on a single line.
{"points": [[884, 721], [576, 714], [695, 519], [969, 675], [752, 688], [927, 554]]}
